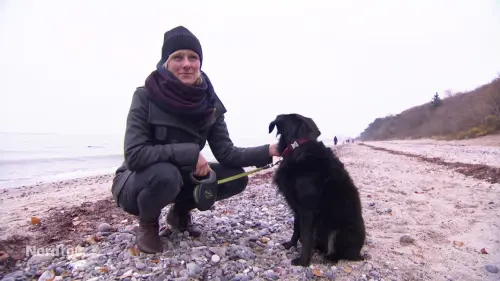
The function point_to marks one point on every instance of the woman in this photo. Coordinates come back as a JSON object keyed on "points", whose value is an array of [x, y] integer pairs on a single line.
{"points": [[170, 119]]}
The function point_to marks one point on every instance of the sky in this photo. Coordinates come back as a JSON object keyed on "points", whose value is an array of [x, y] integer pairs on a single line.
{"points": [[71, 67]]}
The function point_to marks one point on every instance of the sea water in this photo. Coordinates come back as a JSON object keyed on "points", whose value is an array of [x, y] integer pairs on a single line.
{"points": [[27, 159]]}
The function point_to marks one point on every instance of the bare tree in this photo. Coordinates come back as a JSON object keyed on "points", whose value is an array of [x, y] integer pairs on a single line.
{"points": [[493, 98], [448, 93]]}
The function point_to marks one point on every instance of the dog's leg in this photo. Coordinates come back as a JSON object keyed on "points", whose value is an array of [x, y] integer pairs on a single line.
{"points": [[296, 233], [353, 255], [332, 250], [306, 237], [347, 247], [332, 236], [349, 254], [332, 257]]}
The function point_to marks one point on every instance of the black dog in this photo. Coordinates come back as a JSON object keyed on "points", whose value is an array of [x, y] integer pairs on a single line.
{"points": [[320, 192]]}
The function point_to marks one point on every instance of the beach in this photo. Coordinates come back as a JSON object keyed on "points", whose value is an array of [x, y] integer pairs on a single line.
{"points": [[19, 204], [426, 219]]}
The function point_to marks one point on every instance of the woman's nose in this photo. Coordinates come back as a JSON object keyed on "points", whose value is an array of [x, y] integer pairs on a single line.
{"points": [[186, 63]]}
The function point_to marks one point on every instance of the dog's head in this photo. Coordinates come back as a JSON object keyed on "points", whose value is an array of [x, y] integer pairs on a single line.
{"points": [[291, 127]]}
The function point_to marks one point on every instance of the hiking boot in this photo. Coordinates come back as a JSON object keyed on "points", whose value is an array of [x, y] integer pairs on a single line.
{"points": [[182, 222], [148, 240]]}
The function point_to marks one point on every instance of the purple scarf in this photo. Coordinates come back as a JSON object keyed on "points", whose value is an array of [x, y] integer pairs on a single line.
{"points": [[195, 103]]}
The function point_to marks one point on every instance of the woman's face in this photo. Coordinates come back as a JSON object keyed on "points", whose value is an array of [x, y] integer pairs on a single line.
{"points": [[185, 65]]}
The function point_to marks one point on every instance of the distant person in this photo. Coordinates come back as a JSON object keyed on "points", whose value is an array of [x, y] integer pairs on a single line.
{"points": [[170, 119], [335, 140]]}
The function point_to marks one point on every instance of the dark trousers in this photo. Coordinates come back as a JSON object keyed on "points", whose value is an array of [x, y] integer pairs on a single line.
{"points": [[147, 192]]}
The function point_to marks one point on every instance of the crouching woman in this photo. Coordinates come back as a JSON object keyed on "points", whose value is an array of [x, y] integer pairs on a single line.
{"points": [[170, 120]]}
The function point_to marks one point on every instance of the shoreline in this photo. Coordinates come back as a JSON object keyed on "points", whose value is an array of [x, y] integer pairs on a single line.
{"points": [[36, 183]]}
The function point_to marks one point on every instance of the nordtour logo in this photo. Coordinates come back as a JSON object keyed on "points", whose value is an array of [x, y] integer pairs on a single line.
{"points": [[55, 251]]}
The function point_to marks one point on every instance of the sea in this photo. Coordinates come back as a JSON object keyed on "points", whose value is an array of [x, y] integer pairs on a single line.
{"points": [[28, 158]]}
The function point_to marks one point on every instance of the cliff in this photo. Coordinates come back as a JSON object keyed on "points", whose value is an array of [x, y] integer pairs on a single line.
{"points": [[457, 116]]}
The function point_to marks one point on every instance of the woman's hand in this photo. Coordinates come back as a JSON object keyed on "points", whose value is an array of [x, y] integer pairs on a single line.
{"points": [[202, 167], [273, 150]]}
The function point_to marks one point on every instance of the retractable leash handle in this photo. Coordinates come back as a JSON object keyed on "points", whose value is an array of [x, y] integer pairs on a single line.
{"points": [[205, 191], [212, 177]]}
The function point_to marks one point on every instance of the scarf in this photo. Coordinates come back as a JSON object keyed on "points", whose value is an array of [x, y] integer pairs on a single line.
{"points": [[195, 103]]}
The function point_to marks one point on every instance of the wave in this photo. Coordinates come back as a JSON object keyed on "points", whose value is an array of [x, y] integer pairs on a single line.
{"points": [[51, 177], [59, 159]]}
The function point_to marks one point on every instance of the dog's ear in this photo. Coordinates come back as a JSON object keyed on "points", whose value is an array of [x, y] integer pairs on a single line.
{"points": [[276, 122], [271, 126], [315, 130], [311, 125]]}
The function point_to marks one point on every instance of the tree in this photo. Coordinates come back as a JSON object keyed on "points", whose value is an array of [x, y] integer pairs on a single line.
{"points": [[436, 100], [493, 97], [448, 93]]}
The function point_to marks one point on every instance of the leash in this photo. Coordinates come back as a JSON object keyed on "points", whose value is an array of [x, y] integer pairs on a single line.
{"points": [[237, 176], [289, 148], [205, 197]]}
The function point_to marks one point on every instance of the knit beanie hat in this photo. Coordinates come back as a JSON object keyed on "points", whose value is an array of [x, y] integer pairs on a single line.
{"points": [[179, 38]]}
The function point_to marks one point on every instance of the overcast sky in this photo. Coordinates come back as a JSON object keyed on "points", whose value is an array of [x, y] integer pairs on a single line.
{"points": [[72, 66]]}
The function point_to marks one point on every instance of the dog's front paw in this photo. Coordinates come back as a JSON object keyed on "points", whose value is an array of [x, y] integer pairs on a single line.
{"points": [[299, 262], [288, 244]]}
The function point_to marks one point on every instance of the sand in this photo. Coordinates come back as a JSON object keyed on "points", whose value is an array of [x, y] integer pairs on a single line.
{"points": [[485, 150], [19, 204], [449, 217]]}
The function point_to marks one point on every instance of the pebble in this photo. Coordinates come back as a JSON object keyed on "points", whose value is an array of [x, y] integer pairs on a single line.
{"points": [[375, 274], [104, 227], [239, 242], [309, 273], [215, 258], [193, 269], [491, 268], [140, 265], [406, 240]]}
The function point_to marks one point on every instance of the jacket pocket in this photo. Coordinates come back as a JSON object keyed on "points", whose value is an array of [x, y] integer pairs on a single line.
{"points": [[118, 184], [160, 133], [169, 129], [177, 135]]}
